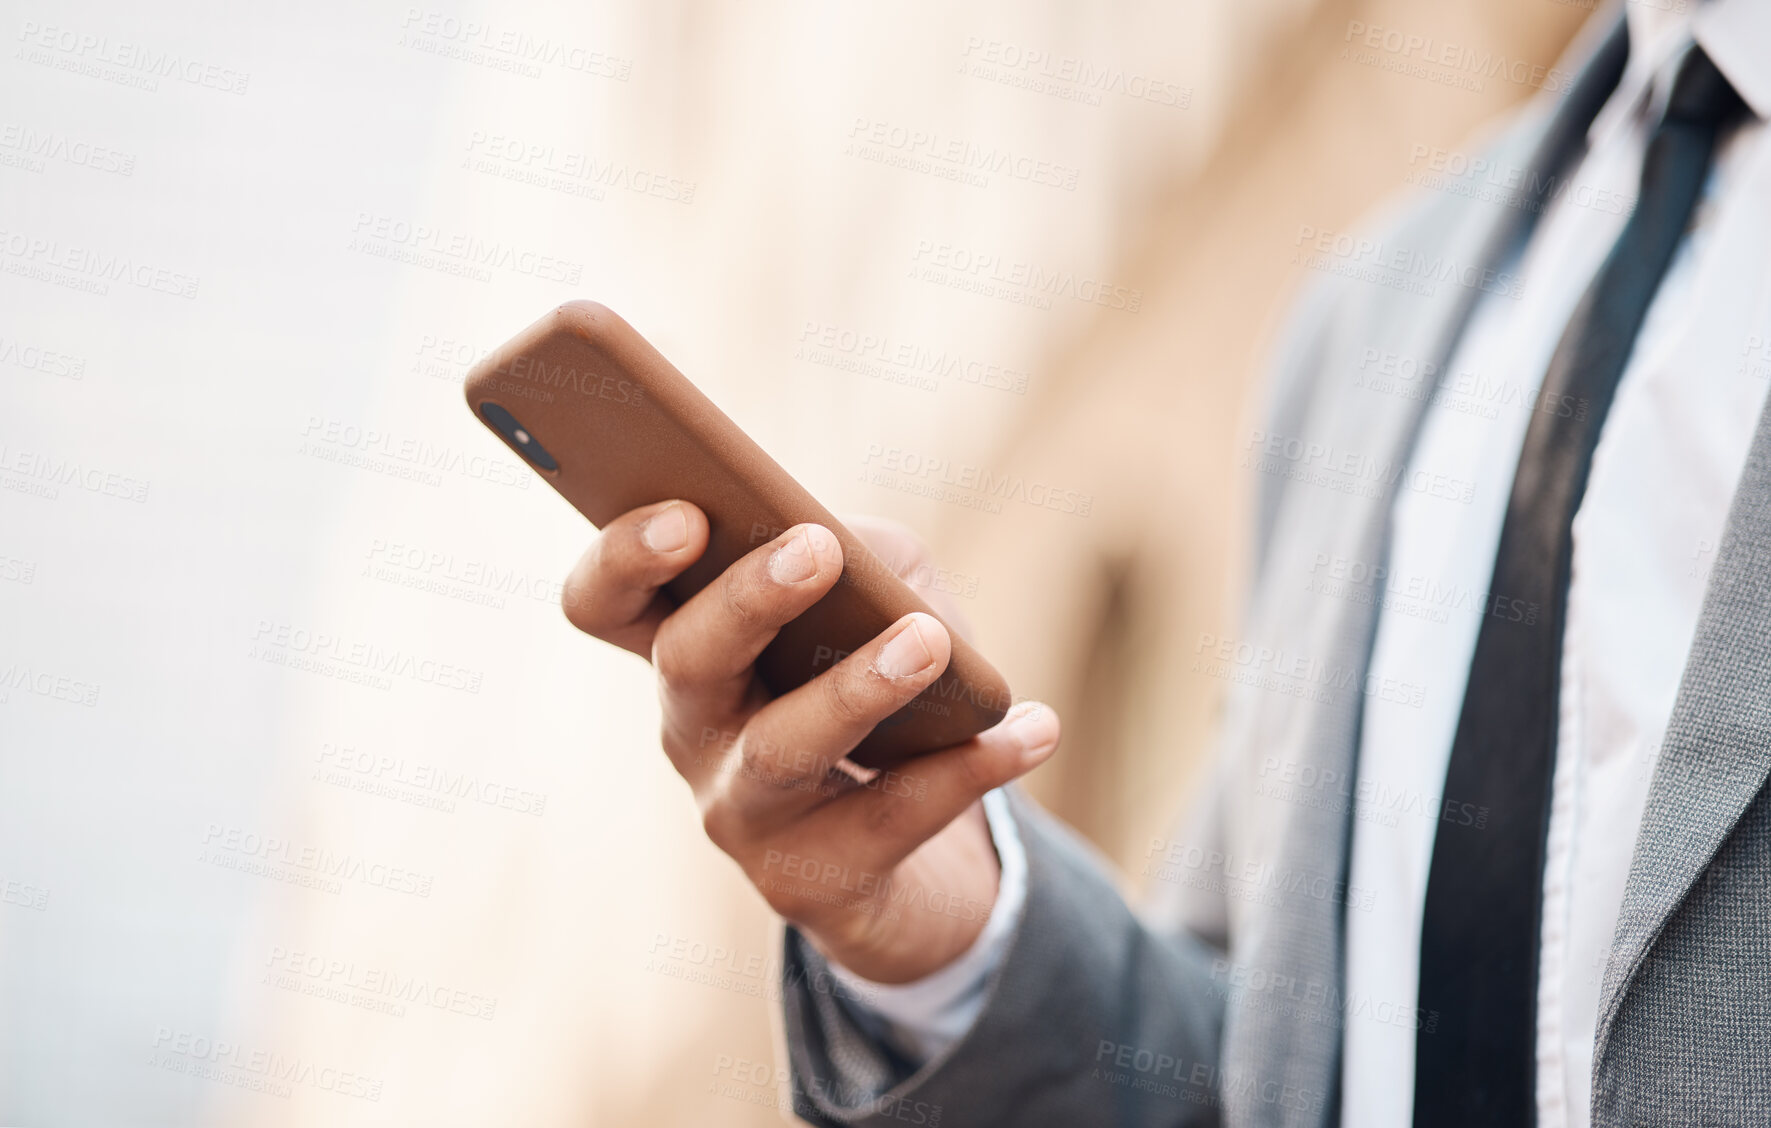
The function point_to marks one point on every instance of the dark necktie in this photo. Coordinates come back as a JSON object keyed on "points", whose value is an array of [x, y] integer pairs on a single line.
{"points": [[1479, 939]]}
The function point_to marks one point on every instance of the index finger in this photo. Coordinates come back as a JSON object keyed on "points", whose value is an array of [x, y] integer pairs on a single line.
{"points": [[613, 591]]}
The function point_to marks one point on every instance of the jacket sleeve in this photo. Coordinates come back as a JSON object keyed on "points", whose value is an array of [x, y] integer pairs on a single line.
{"points": [[1091, 1019]]}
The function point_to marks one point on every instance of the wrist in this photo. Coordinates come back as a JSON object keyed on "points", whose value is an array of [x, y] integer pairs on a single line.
{"points": [[920, 923], [933, 931]]}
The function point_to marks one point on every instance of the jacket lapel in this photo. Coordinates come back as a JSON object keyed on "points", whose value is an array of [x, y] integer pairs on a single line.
{"points": [[1717, 752]]}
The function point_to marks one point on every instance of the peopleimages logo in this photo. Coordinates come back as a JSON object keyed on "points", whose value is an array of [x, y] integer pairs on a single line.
{"points": [[1022, 282], [504, 48], [976, 487], [1426, 597], [1347, 471], [1511, 184], [324, 652], [1397, 266], [45, 474], [407, 456], [1296, 675], [369, 988], [566, 170], [251, 1067], [1065, 76], [45, 683], [38, 359], [270, 855], [351, 765], [887, 357], [129, 64], [84, 268], [1393, 49], [454, 252], [924, 150], [29, 148]]}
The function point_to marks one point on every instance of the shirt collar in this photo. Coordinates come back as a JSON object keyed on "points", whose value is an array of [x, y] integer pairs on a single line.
{"points": [[1735, 33], [1737, 36]]}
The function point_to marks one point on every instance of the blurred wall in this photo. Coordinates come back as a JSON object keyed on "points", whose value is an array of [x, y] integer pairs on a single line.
{"points": [[457, 879]]}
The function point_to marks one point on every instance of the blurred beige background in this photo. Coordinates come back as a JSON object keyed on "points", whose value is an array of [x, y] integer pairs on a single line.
{"points": [[776, 216]]}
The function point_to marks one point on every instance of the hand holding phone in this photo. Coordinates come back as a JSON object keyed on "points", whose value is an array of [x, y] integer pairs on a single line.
{"points": [[892, 873], [894, 877], [611, 425]]}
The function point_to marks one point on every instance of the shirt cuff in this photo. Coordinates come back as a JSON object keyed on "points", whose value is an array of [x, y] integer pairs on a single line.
{"points": [[922, 1018]]}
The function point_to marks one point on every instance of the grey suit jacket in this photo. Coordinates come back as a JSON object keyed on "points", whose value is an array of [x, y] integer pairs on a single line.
{"points": [[1224, 1003]]}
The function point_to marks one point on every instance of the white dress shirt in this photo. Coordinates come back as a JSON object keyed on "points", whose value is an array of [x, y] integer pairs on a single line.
{"points": [[1662, 477]]}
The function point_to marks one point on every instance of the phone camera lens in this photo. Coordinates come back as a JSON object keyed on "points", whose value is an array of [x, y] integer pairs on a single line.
{"points": [[506, 424]]}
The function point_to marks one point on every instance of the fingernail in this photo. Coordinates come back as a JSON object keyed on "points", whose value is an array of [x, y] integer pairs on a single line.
{"points": [[793, 561], [819, 538], [666, 531], [905, 654], [1036, 727]]}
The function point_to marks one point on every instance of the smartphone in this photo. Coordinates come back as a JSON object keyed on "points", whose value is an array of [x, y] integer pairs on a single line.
{"points": [[611, 425]]}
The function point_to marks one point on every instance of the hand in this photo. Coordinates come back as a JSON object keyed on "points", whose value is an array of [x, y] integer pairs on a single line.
{"points": [[894, 878]]}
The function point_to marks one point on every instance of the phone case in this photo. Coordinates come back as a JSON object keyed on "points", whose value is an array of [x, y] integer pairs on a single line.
{"points": [[622, 428]]}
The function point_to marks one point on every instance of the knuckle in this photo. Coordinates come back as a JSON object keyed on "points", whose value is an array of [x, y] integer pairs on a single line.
{"points": [[978, 771], [782, 900], [885, 819], [675, 669], [705, 752], [759, 762], [780, 892], [593, 586], [579, 609], [723, 826], [742, 602], [849, 696]]}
